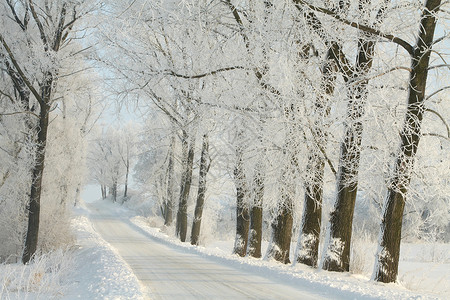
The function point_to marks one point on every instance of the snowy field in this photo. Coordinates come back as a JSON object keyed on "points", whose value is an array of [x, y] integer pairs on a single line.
{"points": [[93, 269]]}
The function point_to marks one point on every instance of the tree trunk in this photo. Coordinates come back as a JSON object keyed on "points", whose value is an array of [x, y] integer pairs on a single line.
{"points": [[309, 238], [103, 188], [256, 213], [242, 211], [113, 191], [44, 101], [337, 255], [282, 232], [181, 224], [169, 203], [308, 253], [77, 194], [125, 193], [31, 240], [282, 226], [387, 258], [204, 168]]}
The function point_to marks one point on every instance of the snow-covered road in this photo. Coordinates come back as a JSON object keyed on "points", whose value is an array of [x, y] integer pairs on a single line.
{"points": [[170, 273]]}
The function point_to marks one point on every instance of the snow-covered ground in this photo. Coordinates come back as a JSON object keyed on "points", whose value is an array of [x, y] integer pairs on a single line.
{"points": [[98, 271], [94, 269], [91, 269], [418, 280], [424, 268]]}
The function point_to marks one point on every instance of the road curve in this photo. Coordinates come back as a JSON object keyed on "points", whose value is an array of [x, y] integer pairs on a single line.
{"points": [[169, 273]]}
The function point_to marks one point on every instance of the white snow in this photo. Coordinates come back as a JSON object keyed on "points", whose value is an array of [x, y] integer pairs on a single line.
{"points": [[98, 271], [334, 285], [95, 269], [92, 269]]}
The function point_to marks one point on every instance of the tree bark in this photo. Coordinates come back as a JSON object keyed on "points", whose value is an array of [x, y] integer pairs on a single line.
{"points": [[114, 190], [242, 210], [337, 256], [125, 193], [282, 226], [387, 258], [34, 207], [103, 188], [169, 203], [51, 41], [181, 224], [308, 253], [204, 168], [256, 213], [282, 232]]}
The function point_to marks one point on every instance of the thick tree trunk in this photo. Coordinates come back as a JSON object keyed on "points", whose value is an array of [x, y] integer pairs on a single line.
{"points": [[44, 100], [282, 225], [204, 168], [184, 163], [386, 268], [282, 232], [308, 252], [169, 203], [242, 210], [31, 240], [255, 233], [256, 213], [181, 224], [337, 256]]}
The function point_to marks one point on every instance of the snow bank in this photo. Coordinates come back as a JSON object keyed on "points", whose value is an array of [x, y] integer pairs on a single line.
{"points": [[89, 270], [331, 284], [99, 272], [44, 278]]}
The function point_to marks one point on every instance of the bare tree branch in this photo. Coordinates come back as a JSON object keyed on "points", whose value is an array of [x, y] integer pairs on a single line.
{"points": [[440, 66], [6, 95], [381, 74], [438, 91], [257, 73], [23, 24], [172, 73], [440, 117], [442, 38], [60, 28], [19, 70], [39, 25], [19, 113], [437, 135], [367, 29]]}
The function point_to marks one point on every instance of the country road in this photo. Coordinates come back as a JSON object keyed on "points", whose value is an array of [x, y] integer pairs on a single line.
{"points": [[170, 273]]}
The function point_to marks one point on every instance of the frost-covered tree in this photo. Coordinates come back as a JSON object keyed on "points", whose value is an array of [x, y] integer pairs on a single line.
{"points": [[205, 164], [414, 111], [386, 268], [35, 39], [112, 158], [289, 87]]}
